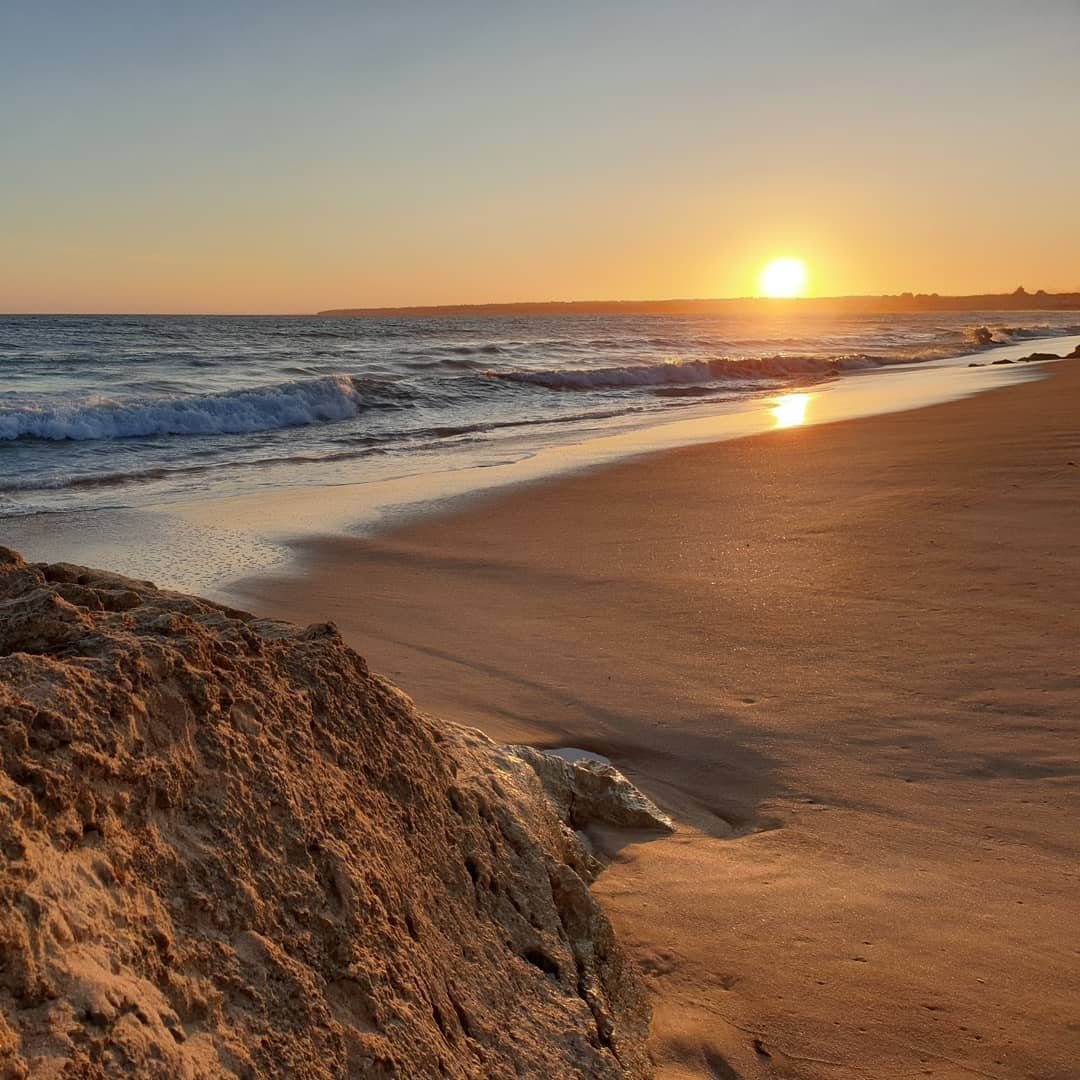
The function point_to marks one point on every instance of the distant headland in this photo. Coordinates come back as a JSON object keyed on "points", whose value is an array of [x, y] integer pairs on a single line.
{"points": [[1018, 300]]}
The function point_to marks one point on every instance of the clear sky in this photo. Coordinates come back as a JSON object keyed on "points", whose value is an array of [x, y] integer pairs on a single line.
{"points": [[262, 156]]}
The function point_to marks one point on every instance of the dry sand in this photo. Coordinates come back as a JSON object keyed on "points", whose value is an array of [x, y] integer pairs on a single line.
{"points": [[845, 658]]}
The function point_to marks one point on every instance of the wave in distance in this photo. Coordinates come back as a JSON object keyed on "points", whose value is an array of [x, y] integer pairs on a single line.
{"points": [[689, 371], [780, 366]]}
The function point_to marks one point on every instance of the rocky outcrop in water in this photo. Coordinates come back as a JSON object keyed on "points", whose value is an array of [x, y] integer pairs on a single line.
{"points": [[231, 850]]}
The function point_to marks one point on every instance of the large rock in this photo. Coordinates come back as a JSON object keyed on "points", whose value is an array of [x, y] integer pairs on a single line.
{"points": [[230, 850]]}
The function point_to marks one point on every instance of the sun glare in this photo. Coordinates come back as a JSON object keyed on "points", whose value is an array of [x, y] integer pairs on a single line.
{"points": [[783, 278], [790, 411]]}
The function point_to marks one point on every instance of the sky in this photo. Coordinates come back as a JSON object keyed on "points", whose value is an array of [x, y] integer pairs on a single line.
{"points": [[285, 157]]}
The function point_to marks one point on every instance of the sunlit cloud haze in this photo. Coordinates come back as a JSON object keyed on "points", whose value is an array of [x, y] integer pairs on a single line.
{"points": [[290, 157]]}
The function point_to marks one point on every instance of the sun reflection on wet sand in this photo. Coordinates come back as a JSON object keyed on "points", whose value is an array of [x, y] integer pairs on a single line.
{"points": [[790, 411]]}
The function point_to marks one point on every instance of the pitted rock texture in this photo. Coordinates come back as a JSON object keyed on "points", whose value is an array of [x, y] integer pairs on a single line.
{"points": [[231, 850], [586, 791]]}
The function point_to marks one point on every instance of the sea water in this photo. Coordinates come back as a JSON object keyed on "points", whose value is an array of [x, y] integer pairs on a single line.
{"points": [[137, 411]]}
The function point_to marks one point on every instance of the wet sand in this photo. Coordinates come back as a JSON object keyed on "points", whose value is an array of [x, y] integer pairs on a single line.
{"points": [[845, 659]]}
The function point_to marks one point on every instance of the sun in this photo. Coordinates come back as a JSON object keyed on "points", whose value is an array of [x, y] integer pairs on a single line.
{"points": [[783, 278]]}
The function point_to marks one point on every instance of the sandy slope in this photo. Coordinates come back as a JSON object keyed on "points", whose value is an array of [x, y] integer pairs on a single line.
{"points": [[845, 658], [229, 850]]}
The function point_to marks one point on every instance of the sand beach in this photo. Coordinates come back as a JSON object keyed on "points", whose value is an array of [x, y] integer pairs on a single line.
{"points": [[540, 542], [843, 657]]}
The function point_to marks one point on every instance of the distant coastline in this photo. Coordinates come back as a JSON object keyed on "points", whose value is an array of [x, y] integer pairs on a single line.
{"points": [[1020, 300]]}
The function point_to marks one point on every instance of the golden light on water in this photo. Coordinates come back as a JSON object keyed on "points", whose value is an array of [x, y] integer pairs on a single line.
{"points": [[783, 279], [790, 411]]}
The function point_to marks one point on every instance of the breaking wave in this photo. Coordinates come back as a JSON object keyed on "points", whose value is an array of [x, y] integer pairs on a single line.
{"points": [[684, 371], [759, 369], [986, 336], [288, 404], [106, 411]]}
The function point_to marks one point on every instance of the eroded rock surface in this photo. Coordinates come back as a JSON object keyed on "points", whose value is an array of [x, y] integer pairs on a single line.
{"points": [[587, 791], [231, 850]]}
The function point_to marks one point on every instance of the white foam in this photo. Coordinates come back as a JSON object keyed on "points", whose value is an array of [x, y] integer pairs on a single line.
{"points": [[681, 372], [289, 404]]}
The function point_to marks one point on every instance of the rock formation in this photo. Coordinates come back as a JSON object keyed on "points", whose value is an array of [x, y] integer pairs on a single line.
{"points": [[231, 850], [587, 791]]}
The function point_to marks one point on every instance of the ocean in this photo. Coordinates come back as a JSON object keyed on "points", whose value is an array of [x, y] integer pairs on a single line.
{"points": [[138, 411]]}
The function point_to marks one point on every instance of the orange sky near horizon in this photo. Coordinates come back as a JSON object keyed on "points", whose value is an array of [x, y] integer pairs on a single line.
{"points": [[259, 161]]}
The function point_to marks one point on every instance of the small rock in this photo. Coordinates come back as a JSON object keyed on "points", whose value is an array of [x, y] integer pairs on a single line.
{"points": [[586, 791]]}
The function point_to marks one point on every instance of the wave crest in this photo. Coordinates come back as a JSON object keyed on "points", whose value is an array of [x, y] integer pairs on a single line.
{"points": [[987, 336], [684, 371], [288, 404]]}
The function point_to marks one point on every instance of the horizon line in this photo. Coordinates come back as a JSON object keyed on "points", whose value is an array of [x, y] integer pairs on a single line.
{"points": [[906, 296]]}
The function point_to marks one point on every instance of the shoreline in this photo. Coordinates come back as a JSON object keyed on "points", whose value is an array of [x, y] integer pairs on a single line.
{"points": [[182, 544], [842, 657]]}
